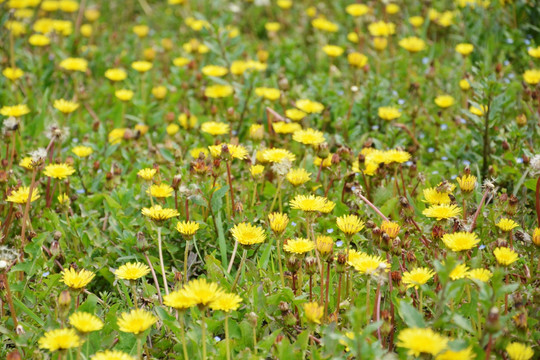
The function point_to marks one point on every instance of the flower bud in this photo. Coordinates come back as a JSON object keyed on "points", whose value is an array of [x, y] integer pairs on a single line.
{"points": [[293, 264], [341, 262], [311, 265], [492, 324], [536, 236]]}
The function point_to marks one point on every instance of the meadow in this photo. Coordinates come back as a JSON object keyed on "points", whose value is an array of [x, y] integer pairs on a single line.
{"points": [[269, 179]]}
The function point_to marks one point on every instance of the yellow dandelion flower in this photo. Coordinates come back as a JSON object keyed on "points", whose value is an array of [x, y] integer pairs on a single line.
{"points": [[65, 106], [389, 113], [256, 170], [536, 236], [278, 155], [324, 244], [158, 214], [519, 351], [532, 76], [60, 339], [20, 196], [247, 234], [196, 152], [368, 264], [460, 241], [309, 107], [256, 131], [26, 162], [412, 44], [309, 137], [39, 40], [214, 70], [298, 176], [459, 272], [235, 151], [417, 277], [112, 355], [479, 274], [271, 94], [74, 64], [435, 197], [218, 91], [390, 228], [349, 224], [187, 228], [226, 302], [467, 183], [357, 59], [299, 246], [132, 271], [141, 66], [382, 29], [465, 354], [444, 101], [179, 299], [160, 191], [77, 279], [464, 84], [136, 321], [15, 110], [85, 322], [295, 114], [443, 211], [420, 340], [58, 171], [215, 128], [147, 173], [82, 151], [12, 73], [505, 256], [357, 10], [323, 24], [202, 292], [506, 224], [478, 111], [124, 94], [116, 74], [416, 21], [309, 203], [313, 312], [464, 49], [333, 50], [278, 222]]}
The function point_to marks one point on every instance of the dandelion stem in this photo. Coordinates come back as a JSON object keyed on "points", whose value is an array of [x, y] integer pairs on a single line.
{"points": [[373, 207], [10, 300], [367, 300], [242, 261], [281, 276], [139, 346], [183, 335], [27, 209], [203, 337], [327, 286], [134, 291], [486, 192], [161, 263], [229, 178], [156, 282], [227, 338], [186, 254], [338, 294], [233, 255], [280, 182]]}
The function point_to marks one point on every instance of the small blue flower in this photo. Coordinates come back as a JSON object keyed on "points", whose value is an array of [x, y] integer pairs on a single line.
{"points": [[45, 274], [431, 150], [481, 247], [519, 160], [375, 127], [293, 223], [401, 101], [466, 162], [444, 126], [425, 60], [444, 158], [339, 243], [330, 231]]}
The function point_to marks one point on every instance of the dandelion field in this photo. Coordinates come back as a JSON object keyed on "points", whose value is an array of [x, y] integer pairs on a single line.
{"points": [[269, 179]]}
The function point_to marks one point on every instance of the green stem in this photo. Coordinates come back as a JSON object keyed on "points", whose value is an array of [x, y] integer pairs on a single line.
{"points": [[282, 277], [203, 330], [139, 347], [420, 303], [242, 261], [280, 182], [183, 336], [186, 254], [161, 263], [367, 299], [134, 291], [227, 337]]}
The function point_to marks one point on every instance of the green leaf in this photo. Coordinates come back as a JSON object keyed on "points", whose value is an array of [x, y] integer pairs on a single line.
{"points": [[410, 315], [463, 323], [221, 240]]}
